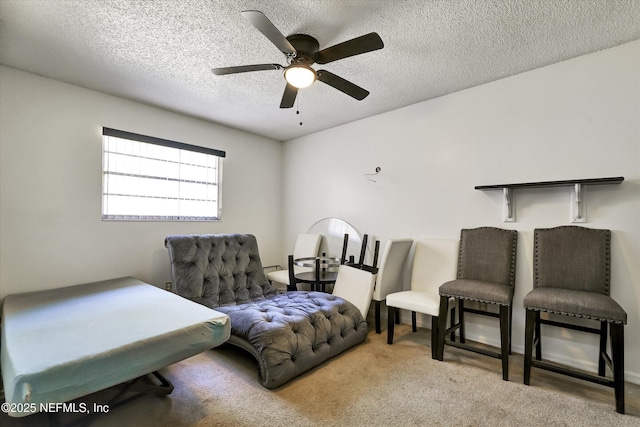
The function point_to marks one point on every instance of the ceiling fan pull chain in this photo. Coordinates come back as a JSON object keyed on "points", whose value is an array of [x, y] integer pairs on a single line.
{"points": [[298, 109]]}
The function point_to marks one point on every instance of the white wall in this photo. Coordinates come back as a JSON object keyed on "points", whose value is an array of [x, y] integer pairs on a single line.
{"points": [[51, 230], [575, 119]]}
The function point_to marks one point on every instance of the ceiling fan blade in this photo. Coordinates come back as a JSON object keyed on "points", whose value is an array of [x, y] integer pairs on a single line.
{"points": [[289, 96], [367, 43], [342, 85], [262, 23], [245, 68]]}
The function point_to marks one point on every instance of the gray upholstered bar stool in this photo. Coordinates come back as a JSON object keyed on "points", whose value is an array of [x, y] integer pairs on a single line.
{"points": [[486, 274], [571, 277]]}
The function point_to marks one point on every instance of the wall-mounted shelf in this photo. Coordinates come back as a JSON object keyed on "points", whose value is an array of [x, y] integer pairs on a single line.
{"points": [[578, 205]]}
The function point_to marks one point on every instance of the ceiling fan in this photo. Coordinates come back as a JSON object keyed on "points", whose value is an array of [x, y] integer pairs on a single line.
{"points": [[301, 51]]}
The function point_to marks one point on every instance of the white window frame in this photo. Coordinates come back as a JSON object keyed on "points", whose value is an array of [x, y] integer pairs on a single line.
{"points": [[145, 178]]}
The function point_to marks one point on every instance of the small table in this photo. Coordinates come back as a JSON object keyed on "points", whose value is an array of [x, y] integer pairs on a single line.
{"points": [[324, 273]]}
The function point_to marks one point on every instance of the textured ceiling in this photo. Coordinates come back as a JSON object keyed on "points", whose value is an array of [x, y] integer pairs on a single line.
{"points": [[161, 52]]}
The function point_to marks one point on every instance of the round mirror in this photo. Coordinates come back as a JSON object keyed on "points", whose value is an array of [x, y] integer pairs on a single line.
{"points": [[332, 231]]}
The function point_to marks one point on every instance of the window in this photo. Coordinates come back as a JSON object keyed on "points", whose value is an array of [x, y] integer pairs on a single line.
{"points": [[147, 178]]}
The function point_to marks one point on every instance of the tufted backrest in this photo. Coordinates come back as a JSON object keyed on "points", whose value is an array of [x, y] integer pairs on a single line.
{"points": [[217, 269], [488, 254], [572, 257]]}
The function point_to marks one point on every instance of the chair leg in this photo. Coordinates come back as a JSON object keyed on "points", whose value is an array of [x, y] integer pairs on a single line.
{"points": [[434, 337], [529, 327], [510, 325], [397, 317], [414, 322], [442, 327], [377, 316], [603, 348], [617, 350], [538, 336], [461, 319], [390, 325], [453, 320], [504, 340]]}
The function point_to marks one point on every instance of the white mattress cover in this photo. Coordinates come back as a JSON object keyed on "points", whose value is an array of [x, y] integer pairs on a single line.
{"points": [[61, 344]]}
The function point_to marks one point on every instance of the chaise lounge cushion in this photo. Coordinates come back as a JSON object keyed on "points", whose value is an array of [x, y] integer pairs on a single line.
{"points": [[287, 333], [292, 332]]}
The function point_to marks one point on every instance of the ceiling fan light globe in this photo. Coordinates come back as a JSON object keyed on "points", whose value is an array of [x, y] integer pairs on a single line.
{"points": [[299, 75]]}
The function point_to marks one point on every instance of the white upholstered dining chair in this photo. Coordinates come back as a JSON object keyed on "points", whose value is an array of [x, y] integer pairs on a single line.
{"points": [[356, 286], [390, 273], [434, 262], [307, 245]]}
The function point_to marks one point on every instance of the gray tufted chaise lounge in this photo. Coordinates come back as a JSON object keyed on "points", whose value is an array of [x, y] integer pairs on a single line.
{"points": [[288, 333]]}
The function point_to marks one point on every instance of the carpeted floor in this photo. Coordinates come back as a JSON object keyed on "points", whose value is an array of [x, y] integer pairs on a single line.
{"points": [[374, 384]]}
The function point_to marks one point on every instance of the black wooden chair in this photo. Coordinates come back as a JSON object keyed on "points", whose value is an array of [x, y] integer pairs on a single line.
{"points": [[360, 264], [571, 277], [320, 276], [486, 274]]}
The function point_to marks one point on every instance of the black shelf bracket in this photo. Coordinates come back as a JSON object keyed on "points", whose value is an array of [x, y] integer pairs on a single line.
{"points": [[578, 201]]}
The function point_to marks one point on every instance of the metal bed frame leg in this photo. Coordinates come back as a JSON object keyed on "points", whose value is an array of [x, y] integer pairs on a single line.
{"points": [[140, 389]]}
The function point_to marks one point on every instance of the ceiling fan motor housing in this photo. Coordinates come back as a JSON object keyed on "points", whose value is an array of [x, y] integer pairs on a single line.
{"points": [[306, 47]]}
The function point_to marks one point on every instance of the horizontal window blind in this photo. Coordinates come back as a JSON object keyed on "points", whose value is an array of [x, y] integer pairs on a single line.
{"points": [[147, 178]]}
